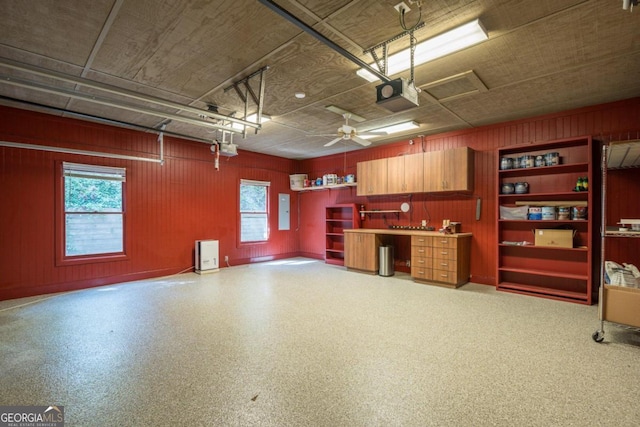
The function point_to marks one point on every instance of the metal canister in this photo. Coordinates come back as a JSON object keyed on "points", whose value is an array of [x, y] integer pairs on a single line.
{"points": [[539, 161], [564, 213], [552, 159], [579, 213], [548, 212], [527, 161], [506, 163], [535, 213]]}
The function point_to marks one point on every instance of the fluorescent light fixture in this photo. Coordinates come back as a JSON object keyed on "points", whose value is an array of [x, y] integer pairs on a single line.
{"points": [[400, 127], [342, 111], [444, 44], [251, 118]]}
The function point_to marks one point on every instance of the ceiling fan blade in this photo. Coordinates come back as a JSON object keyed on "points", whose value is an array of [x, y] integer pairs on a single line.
{"points": [[330, 143], [360, 141]]}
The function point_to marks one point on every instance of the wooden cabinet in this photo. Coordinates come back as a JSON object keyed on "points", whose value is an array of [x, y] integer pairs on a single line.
{"points": [[372, 177], [448, 170], [405, 174], [430, 172], [563, 273], [337, 219], [361, 251], [442, 259]]}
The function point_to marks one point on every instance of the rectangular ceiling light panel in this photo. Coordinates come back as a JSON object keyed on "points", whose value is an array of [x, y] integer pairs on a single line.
{"points": [[436, 47]]}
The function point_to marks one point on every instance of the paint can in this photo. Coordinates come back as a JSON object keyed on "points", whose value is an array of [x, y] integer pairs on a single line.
{"points": [[564, 213], [579, 213], [535, 213], [506, 163], [552, 159], [527, 161], [548, 212]]}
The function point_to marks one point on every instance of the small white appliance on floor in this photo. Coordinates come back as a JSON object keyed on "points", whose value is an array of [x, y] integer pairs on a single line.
{"points": [[207, 256]]}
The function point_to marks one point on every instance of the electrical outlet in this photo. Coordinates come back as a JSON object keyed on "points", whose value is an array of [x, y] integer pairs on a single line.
{"points": [[408, 263], [226, 258], [402, 7], [424, 222]]}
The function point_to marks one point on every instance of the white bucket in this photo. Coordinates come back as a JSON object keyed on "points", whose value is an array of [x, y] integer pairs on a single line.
{"points": [[297, 181], [548, 212]]}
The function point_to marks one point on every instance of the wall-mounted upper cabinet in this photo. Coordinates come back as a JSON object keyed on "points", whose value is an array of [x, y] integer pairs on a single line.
{"points": [[448, 170], [405, 174], [430, 172], [372, 177]]}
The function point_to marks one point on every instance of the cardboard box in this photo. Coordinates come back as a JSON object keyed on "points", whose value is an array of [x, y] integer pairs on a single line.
{"points": [[554, 238]]}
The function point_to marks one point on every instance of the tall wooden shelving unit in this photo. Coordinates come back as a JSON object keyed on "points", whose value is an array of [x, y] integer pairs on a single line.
{"points": [[337, 219], [618, 304], [551, 272]]}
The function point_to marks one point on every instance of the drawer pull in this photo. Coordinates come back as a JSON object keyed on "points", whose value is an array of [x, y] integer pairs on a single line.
{"points": [[444, 264], [420, 240], [444, 253], [421, 261], [421, 250], [444, 275]]}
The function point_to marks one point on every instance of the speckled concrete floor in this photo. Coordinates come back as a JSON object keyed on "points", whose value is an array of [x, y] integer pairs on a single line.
{"points": [[301, 343]]}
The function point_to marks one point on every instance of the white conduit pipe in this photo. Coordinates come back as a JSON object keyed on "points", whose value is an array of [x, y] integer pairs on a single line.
{"points": [[82, 152]]}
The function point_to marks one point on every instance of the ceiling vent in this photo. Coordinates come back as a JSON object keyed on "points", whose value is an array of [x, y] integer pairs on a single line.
{"points": [[456, 86]]}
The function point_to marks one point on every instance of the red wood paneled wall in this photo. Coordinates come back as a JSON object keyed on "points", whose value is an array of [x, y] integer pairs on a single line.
{"points": [[171, 206], [615, 121], [168, 207]]}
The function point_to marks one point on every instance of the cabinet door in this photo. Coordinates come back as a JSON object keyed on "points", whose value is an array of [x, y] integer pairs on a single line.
{"points": [[395, 175], [448, 170], [405, 174], [372, 177], [433, 171], [457, 174], [360, 251], [414, 173]]}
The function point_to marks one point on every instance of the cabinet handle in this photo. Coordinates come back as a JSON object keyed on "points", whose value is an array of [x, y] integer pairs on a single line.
{"points": [[421, 261], [444, 275], [421, 250], [444, 264], [420, 240], [444, 253]]}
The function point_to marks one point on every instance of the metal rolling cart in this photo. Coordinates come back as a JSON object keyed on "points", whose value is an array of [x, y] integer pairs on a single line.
{"points": [[618, 304]]}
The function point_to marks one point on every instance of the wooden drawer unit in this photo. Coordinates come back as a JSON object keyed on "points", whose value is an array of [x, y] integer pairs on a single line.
{"points": [[441, 259], [422, 257]]}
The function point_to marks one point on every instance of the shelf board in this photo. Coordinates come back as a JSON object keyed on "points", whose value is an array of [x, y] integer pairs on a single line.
{"points": [[335, 261], [575, 196], [544, 273], [542, 291], [533, 247], [622, 234], [326, 187], [339, 219], [335, 234], [545, 170], [544, 146], [545, 221], [336, 251]]}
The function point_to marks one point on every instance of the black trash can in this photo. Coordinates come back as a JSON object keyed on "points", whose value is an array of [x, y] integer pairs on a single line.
{"points": [[386, 261]]}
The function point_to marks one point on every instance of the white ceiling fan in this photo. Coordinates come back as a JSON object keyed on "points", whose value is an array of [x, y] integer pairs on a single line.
{"points": [[346, 132]]}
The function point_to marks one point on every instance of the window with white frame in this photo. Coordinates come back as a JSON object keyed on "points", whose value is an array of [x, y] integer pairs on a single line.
{"points": [[254, 211], [93, 210]]}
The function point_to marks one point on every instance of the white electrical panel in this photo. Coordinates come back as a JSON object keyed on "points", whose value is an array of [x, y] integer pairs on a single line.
{"points": [[207, 260]]}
